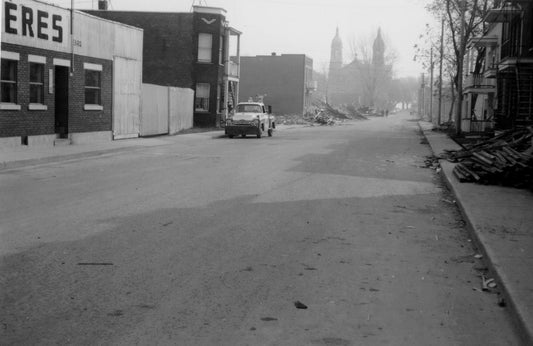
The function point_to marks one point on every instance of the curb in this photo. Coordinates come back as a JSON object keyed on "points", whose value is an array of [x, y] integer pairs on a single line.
{"points": [[8, 165], [525, 333], [515, 312]]}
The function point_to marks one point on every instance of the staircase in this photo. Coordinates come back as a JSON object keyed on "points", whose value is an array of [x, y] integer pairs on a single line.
{"points": [[524, 116], [515, 97]]}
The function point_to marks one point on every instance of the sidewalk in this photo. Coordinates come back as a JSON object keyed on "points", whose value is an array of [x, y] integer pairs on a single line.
{"points": [[27, 156], [22, 156], [501, 223]]}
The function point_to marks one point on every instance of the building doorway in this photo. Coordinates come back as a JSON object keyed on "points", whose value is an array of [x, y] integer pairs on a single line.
{"points": [[61, 81]]}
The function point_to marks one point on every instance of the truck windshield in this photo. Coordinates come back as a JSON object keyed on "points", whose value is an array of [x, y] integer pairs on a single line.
{"points": [[249, 109]]}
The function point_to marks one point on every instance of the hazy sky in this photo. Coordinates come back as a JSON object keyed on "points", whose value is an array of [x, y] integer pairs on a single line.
{"points": [[306, 26]]}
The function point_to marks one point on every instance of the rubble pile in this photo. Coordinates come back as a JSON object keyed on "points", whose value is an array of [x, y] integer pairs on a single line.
{"points": [[293, 119], [321, 114], [324, 118], [333, 112], [506, 159], [354, 113]]}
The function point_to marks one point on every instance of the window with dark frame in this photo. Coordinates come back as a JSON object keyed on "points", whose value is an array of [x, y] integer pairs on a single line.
{"points": [[9, 81], [37, 83], [93, 88]]}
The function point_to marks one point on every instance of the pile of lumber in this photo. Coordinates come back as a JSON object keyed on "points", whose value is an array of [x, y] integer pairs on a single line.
{"points": [[506, 159]]}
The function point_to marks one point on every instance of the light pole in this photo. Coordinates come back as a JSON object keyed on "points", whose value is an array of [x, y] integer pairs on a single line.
{"points": [[439, 113]]}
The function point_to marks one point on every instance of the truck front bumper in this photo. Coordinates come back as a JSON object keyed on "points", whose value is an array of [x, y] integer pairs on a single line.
{"points": [[235, 130]]}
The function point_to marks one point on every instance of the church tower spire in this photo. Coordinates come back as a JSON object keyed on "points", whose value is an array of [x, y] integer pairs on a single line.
{"points": [[335, 61], [378, 50]]}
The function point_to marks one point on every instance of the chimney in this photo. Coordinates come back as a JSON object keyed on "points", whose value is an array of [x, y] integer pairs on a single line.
{"points": [[102, 5]]}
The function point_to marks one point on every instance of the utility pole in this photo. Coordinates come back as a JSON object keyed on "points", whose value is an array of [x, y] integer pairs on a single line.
{"points": [[458, 113], [431, 87], [439, 113], [423, 96]]}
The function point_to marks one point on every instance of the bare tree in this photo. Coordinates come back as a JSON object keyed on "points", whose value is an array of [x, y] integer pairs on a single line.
{"points": [[464, 20], [374, 81]]}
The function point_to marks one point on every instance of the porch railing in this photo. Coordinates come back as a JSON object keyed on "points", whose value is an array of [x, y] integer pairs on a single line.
{"points": [[479, 81]]}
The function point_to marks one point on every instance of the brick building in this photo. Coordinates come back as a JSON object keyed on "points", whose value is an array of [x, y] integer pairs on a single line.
{"points": [[190, 50], [284, 81], [59, 85]]}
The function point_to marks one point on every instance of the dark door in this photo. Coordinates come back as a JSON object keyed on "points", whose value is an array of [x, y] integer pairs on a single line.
{"points": [[61, 100]]}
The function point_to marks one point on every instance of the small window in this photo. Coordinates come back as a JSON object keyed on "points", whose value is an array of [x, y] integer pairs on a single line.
{"points": [[201, 102], [36, 83], [9, 81], [205, 44], [93, 87]]}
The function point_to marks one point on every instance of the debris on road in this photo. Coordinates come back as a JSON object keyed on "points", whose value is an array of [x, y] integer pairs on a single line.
{"points": [[487, 284], [506, 159], [432, 162], [299, 305], [95, 264], [268, 319], [478, 256], [321, 114]]}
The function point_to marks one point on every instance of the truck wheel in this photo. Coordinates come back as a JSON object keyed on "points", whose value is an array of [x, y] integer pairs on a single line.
{"points": [[269, 132]]}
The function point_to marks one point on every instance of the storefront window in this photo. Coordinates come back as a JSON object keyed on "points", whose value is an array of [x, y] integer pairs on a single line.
{"points": [[9, 81], [36, 83]]}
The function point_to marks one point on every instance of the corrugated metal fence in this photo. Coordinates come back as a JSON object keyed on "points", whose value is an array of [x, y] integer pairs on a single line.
{"points": [[166, 110]]}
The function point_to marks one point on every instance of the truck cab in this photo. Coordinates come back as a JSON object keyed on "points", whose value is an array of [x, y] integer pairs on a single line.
{"points": [[250, 118]]}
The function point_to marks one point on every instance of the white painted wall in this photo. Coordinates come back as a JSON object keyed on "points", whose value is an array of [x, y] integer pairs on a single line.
{"points": [[166, 110]]}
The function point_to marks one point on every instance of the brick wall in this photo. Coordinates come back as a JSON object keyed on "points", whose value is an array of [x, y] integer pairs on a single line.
{"points": [[32, 123], [81, 120], [212, 73]]}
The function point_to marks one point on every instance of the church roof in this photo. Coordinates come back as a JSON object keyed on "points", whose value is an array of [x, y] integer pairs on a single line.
{"points": [[379, 45]]}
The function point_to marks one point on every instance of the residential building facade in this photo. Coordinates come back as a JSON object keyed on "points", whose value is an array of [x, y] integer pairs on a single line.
{"points": [[283, 81], [196, 50], [58, 84], [499, 91]]}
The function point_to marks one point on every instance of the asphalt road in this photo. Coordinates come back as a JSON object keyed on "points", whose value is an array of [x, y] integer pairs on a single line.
{"points": [[210, 241]]}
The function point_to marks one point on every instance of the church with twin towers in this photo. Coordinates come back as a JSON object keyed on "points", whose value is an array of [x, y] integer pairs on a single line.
{"points": [[363, 82]]}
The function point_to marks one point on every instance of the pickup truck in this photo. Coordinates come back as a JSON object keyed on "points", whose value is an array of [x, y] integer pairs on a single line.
{"points": [[250, 118]]}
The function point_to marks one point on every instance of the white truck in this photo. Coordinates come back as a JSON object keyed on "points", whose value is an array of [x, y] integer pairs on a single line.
{"points": [[250, 118]]}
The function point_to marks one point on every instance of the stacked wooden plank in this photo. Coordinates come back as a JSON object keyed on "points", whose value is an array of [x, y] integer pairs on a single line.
{"points": [[506, 159]]}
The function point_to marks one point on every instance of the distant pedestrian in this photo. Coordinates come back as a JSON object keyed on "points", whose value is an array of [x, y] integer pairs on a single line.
{"points": [[386, 113]]}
